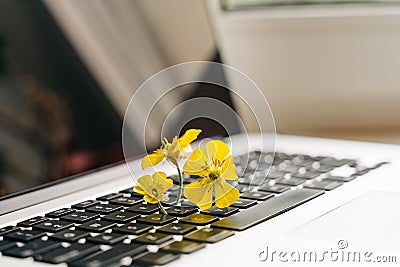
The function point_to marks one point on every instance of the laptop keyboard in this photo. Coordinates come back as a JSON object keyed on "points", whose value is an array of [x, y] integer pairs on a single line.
{"points": [[117, 229]]}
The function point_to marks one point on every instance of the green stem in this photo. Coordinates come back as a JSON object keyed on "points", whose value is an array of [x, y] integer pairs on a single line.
{"points": [[162, 208], [178, 199]]}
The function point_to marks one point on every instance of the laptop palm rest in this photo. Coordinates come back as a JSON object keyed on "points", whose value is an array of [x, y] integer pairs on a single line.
{"points": [[366, 223]]}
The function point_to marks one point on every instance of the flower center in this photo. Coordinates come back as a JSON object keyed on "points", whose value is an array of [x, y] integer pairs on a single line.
{"points": [[214, 174], [154, 191]]}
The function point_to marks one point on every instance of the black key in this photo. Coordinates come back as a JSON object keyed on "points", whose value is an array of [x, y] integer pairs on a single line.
{"points": [[157, 219], [288, 167], [277, 188], [220, 212], [59, 213], [174, 190], [126, 201], [209, 235], [240, 159], [121, 217], [308, 174], [323, 168], [177, 228], [199, 219], [281, 155], [186, 203], [158, 258], [96, 226], [257, 164], [80, 217], [250, 180], [6, 244], [261, 196], [262, 174], [184, 246], [186, 179], [253, 154], [244, 203], [133, 228], [85, 204], [32, 221], [132, 194], [341, 178], [70, 235], [275, 174], [240, 170], [153, 238], [173, 194], [242, 187], [277, 161], [109, 196], [71, 253], [293, 181], [109, 257], [32, 248], [335, 162], [107, 238], [174, 178], [24, 235], [268, 209], [144, 208], [104, 208], [324, 185], [170, 201], [302, 161], [180, 211], [8, 229], [53, 226]]}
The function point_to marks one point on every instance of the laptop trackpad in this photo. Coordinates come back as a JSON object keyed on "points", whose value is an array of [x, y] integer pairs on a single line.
{"points": [[371, 221]]}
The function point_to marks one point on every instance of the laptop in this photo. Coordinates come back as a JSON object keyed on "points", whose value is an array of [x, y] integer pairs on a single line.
{"points": [[320, 196]]}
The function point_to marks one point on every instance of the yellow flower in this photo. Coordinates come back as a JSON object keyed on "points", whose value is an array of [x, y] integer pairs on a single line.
{"points": [[172, 152], [153, 187], [214, 165]]}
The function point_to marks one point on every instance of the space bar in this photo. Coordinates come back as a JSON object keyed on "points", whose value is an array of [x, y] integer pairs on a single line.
{"points": [[267, 209]]}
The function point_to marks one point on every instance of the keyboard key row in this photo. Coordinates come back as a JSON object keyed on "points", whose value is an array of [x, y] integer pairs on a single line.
{"points": [[32, 248], [107, 258]]}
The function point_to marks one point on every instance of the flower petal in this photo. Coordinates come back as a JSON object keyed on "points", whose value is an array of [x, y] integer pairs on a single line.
{"points": [[152, 159], [145, 183], [200, 193], [197, 163], [225, 194], [217, 149], [160, 179], [188, 137], [150, 199], [139, 190], [229, 169], [173, 153]]}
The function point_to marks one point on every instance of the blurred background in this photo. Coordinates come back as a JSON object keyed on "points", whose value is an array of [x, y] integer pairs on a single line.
{"points": [[68, 69]]}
